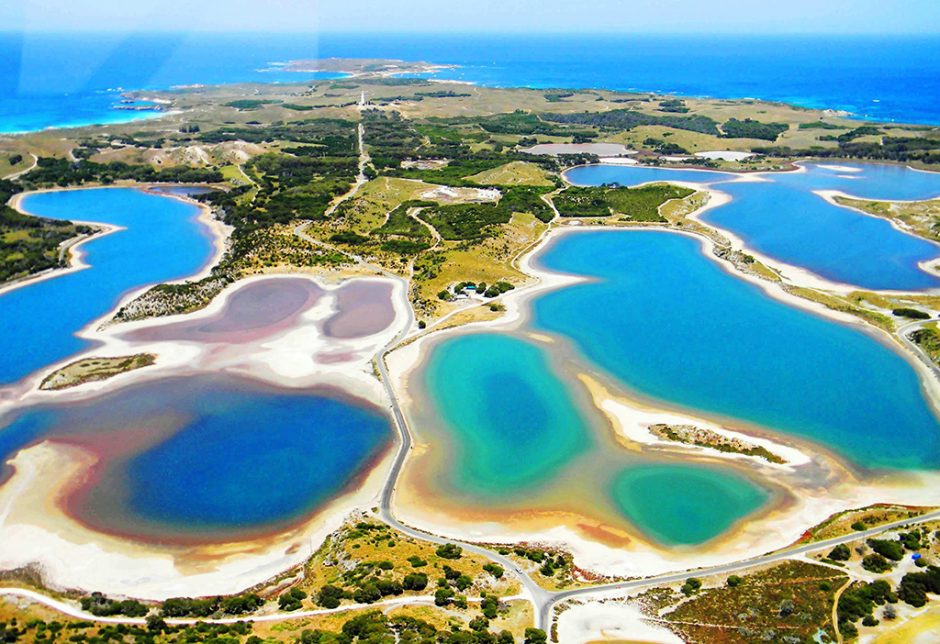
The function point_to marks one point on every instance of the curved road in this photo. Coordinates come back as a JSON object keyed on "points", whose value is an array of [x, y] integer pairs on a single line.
{"points": [[903, 332]]}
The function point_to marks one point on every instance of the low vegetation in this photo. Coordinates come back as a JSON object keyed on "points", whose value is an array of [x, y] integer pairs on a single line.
{"points": [[790, 602], [633, 204], [94, 369]]}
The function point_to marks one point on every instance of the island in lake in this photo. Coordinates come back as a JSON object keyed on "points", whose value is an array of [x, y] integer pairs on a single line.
{"points": [[446, 361]]}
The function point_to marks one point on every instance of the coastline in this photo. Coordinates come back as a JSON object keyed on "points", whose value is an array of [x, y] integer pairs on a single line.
{"points": [[217, 232], [796, 275], [40, 526], [785, 525]]}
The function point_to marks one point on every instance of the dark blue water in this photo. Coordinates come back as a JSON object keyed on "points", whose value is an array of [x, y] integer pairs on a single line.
{"points": [[672, 324], [48, 80], [782, 218], [162, 241], [207, 455]]}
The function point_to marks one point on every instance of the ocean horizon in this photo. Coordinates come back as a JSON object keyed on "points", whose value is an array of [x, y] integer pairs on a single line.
{"points": [[66, 80]]}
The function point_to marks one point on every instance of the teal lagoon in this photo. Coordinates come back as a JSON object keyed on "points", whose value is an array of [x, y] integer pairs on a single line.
{"points": [[515, 435], [782, 218], [512, 423], [206, 458], [672, 325], [161, 240], [701, 501]]}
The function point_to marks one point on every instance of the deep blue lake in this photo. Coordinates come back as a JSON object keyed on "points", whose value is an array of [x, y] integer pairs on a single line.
{"points": [[671, 324], [162, 241], [782, 218], [206, 457]]}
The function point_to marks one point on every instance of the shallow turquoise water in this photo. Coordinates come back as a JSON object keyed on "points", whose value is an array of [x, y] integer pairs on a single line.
{"points": [[513, 422], [671, 324], [514, 434], [783, 219], [207, 456], [162, 241], [698, 502]]}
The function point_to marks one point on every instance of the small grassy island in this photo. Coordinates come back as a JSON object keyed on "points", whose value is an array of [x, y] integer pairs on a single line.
{"points": [[94, 369]]}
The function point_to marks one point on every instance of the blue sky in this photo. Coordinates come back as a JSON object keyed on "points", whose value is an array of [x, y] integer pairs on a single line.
{"points": [[632, 16]]}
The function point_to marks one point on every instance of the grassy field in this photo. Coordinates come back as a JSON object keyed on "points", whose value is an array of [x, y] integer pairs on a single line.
{"points": [[516, 173]]}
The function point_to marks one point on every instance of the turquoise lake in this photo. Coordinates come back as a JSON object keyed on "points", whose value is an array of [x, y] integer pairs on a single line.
{"points": [[514, 423], [514, 434], [162, 241], [783, 219], [710, 502], [671, 324], [206, 457]]}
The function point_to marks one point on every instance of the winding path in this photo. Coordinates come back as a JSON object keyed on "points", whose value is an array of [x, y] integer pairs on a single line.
{"points": [[20, 173]]}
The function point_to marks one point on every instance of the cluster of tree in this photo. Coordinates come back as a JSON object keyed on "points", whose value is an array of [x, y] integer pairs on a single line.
{"points": [[928, 340], [449, 551], [639, 204], [207, 606], [628, 119], [378, 628], [673, 105], [291, 600], [914, 314], [477, 221], [851, 135], [664, 147], [751, 129], [391, 138], [335, 137], [914, 586], [820, 125], [859, 601], [557, 97], [62, 172], [156, 629], [251, 103], [101, 606]]}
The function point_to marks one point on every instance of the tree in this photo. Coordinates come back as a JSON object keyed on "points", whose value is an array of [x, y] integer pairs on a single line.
{"points": [[330, 596], [535, 636], [691, 586], [876, 563], [494, 569], [415, 581], [449, 551], [479, 623], [840, 553], [733, 581], [892, 550]]}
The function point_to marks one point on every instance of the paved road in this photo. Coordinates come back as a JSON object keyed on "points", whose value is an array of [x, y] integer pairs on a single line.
{"points": [[737, 566]]}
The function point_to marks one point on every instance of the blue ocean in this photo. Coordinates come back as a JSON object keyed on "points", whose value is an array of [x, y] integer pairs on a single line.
{"points": [[49, 80]]}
